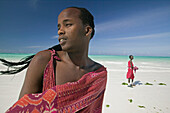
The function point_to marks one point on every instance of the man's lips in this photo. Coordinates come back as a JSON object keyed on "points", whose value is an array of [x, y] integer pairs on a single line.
{"points": [[62, 39]]}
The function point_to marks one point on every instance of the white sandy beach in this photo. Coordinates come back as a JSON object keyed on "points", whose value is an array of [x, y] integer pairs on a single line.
{"points": [[155, 98]]}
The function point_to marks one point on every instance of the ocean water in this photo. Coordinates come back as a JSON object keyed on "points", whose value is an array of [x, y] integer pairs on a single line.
{"points": [[115, 63], [13, 56]]}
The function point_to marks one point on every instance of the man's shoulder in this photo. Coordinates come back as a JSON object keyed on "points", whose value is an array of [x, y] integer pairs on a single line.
{"points": [[99, 68], [44, 55], [96, 65]]}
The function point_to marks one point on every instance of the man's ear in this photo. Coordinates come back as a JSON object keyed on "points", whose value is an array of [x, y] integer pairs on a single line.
{"points": [[88, 31]]}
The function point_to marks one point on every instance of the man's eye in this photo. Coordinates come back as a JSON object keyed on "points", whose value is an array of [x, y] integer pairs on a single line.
{"points": [[68, 25]]}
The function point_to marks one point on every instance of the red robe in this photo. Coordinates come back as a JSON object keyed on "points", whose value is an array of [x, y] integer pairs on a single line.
{"points": [[130, 71]]}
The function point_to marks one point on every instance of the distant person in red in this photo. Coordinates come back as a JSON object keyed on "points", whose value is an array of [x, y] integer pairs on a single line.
{"points": [[130, 74]]}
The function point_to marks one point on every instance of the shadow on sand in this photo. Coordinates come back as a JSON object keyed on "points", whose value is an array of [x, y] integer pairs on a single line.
{"points": [[137, 83]]}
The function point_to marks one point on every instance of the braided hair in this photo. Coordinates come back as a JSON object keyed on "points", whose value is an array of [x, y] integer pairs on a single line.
{"points": [[16, 67]]}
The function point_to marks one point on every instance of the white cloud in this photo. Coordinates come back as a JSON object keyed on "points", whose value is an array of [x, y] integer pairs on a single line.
{"points": [[159, 35], [54, 37], [33, 47], [140, 18]]}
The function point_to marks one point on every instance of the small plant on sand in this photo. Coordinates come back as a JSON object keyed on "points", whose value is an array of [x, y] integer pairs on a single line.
{"points": [[148, 83], [130, 100], [141, 106], [162, 84], [107, 105], [124, 83]]}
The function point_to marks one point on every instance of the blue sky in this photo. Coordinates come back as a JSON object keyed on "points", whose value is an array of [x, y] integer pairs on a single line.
{"points": [[123, 27]]}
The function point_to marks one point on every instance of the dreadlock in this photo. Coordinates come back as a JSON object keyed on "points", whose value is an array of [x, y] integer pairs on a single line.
{"points": [[16, 67]]}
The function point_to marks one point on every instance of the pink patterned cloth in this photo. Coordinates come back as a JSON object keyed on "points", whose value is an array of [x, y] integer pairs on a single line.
{"points": [[49, 76], [135, 68], [82, 96]]}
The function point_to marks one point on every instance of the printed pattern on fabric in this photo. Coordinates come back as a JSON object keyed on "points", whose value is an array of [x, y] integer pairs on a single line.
{"points": [[84, 95], [49, 77]]}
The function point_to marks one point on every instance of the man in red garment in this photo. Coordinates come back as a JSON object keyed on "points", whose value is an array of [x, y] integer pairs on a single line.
{"points": [[75, 30]]}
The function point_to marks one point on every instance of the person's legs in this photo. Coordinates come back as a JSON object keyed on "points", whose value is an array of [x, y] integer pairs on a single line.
{"points": [[133, 83], [129, 82]]}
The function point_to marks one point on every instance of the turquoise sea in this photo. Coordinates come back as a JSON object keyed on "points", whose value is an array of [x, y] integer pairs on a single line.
{"points": [[146, 63], [13, 56], [17, 56]]}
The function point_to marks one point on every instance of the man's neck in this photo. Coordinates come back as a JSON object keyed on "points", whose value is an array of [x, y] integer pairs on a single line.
{"points": [[79, 59]]}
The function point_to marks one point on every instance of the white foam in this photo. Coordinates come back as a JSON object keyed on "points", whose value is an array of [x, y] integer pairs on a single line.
{"points": [[145, 63], [153, 67], [162, 71], [120, 70], [111, 62]]}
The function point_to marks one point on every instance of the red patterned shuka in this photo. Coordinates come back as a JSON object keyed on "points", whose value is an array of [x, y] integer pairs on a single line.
{"points": [[82, 96], [130, 74]]}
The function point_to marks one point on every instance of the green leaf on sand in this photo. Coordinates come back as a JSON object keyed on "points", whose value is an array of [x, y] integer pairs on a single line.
{"points": [[141, 106], [124, 83], [162, 84], [107, 105], [130, 100], [148, 83]]}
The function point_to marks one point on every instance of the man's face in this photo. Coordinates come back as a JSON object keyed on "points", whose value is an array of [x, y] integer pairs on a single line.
{"points": [[71, 30]]}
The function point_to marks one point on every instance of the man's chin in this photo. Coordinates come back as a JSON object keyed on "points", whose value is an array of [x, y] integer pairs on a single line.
{"points": [[64, 48], [67, 49]]}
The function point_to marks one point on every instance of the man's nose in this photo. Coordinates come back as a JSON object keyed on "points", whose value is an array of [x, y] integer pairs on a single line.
{"points": [[61, 31]]}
